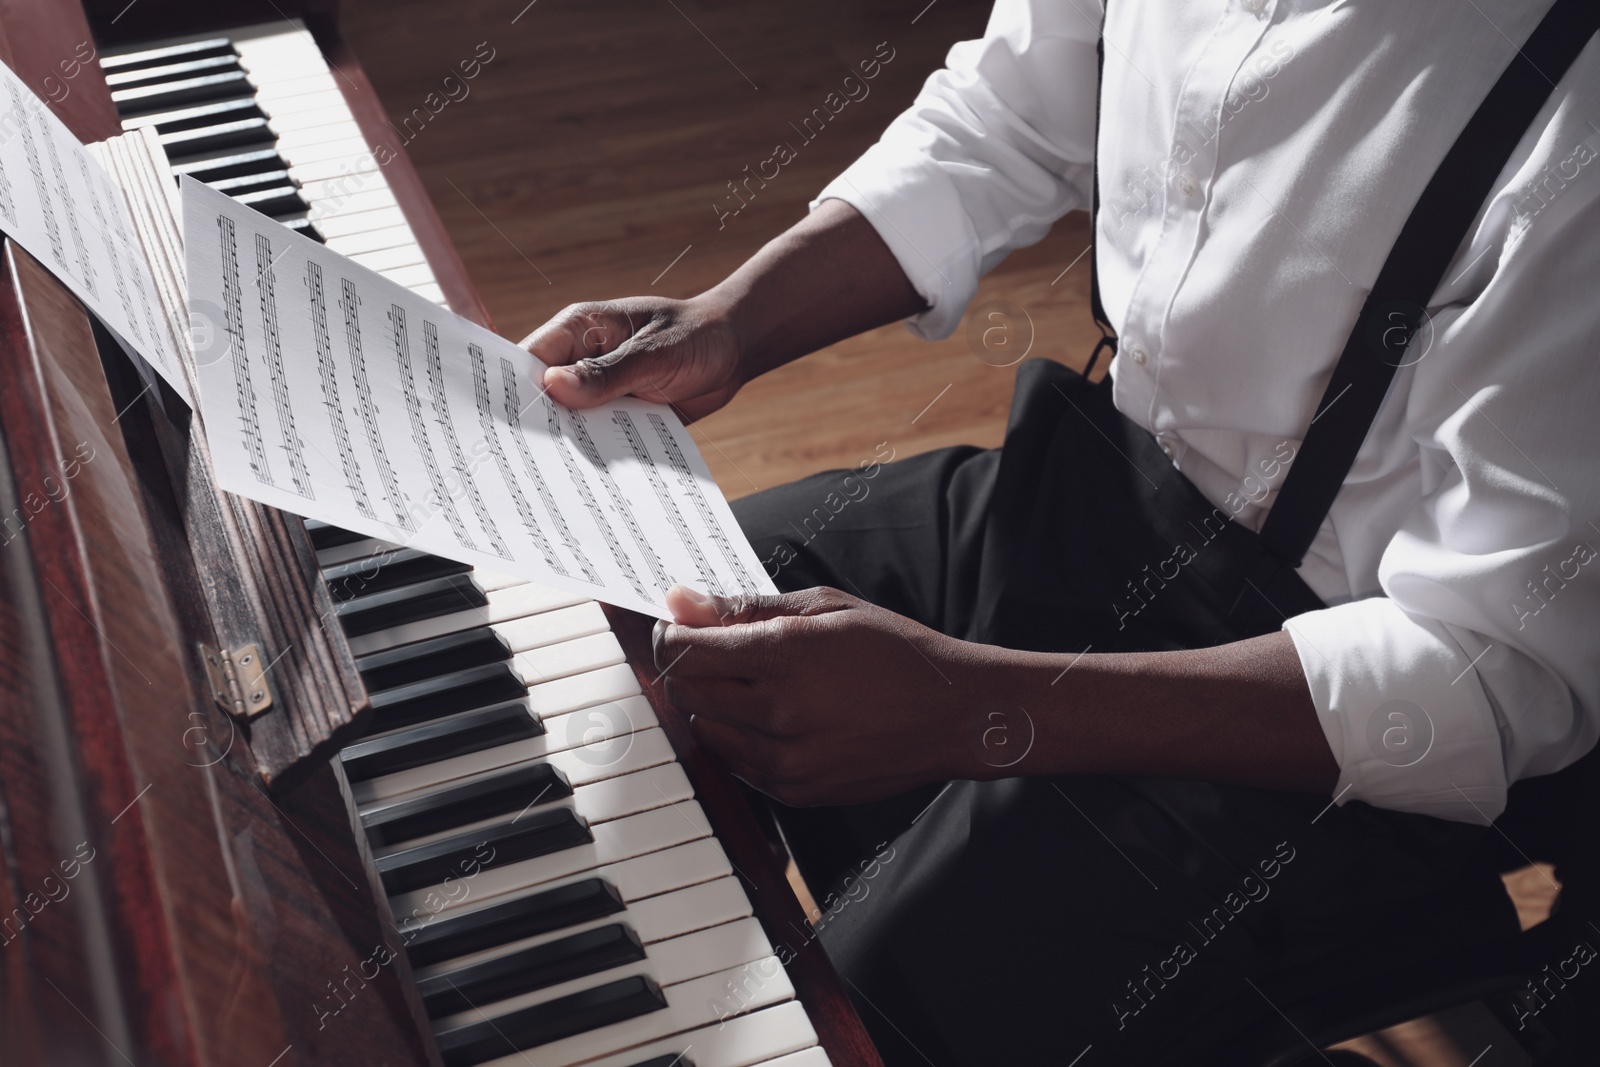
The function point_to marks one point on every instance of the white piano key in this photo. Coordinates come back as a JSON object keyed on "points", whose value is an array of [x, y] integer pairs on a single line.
{"points": [[779, 1036], [657, 918], [416, 274], [567, 658], [718, 949], [354, 550], [622, 839], [270, 91], [343, 224], [504, 605], [697, 907], [640, 878], [583, 690], [384, 258], [597, 802], [356, 203], [307, 109], [632, 752], [432, 292], [489, 580], [811, 1057], [296, 142], [361, 241], [325, 147], [691, 1005], [309, 174], [549, 627], [589, 726]]}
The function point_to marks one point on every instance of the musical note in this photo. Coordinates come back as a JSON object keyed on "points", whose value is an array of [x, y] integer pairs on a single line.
{"points": [[452, 443], [419, 429], [233, 322], [668, 506], [272, 348], [327, 373], [350, 304], [691, 489], [430, 420]]}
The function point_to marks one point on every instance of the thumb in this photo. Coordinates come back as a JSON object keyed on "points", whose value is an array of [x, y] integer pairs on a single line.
{"points": [[598, 379], [690, 607]]}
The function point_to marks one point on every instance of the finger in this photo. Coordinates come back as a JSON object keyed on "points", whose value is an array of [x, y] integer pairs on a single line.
{"points": [[691, 607], [594, 380], [724, 700], [579, 331], [730, 652], [736, 747]]}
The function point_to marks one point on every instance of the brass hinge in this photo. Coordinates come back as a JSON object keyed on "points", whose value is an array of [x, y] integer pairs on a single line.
{"points": [[238, 680]]}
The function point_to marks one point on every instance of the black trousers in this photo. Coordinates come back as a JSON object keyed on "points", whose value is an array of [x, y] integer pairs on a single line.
{"points": [[1032, 920]]}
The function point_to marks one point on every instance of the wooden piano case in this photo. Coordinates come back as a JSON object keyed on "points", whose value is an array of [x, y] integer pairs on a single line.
{"points": [[177, 885]]}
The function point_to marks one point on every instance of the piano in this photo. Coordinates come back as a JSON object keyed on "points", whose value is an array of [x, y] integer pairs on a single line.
{"points": [[276, 795]]}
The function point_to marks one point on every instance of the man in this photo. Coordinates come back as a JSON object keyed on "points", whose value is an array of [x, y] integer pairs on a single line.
{"points": [[1138, 859]]}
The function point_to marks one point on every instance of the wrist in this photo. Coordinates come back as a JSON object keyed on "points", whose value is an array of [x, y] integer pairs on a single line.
{"points": [[719, 311], [992, 733]]}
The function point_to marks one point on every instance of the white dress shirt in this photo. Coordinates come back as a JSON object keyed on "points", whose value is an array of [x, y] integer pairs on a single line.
{"points": [[1257, 160]]}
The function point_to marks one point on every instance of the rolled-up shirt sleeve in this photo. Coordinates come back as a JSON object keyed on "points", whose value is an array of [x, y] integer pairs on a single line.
{"points": [[1479, 664], [997, 146]]}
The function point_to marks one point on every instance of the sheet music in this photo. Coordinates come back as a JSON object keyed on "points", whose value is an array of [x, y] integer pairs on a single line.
{"points": [[58, 203], [329, 391]]}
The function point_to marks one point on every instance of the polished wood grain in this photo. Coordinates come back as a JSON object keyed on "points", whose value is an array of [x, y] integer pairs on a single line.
{"points": [[590, 152]]}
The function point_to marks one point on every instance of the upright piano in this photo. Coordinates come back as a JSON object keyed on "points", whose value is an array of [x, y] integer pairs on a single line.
{"points": [[272, 795]]}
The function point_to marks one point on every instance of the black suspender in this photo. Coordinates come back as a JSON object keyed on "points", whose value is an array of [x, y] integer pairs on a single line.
{"points": [[1395, 307]]}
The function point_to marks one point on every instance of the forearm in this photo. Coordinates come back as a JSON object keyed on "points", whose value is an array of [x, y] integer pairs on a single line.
{"points": [[828, 277], [1239, 713]]}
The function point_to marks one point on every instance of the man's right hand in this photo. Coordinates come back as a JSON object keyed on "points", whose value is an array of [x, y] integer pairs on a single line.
{"points": [[827, 277], [680, 352]]}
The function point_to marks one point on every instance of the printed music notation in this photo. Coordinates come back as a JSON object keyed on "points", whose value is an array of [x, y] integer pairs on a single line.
{"points": [[426, 424], [59, 204]]}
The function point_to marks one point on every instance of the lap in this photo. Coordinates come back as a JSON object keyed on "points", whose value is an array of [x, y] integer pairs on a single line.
{"points": [[1022, 920]]}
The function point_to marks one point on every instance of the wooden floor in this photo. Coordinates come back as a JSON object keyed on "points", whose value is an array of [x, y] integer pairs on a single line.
{"points": [[588, 155], [585, 161]]}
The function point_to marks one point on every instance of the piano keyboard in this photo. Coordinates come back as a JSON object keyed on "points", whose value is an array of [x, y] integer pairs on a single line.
{"points": [[259, 116], [557, 888]]}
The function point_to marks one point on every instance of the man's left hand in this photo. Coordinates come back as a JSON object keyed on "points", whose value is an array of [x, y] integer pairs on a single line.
{"points": [[818, 697]]}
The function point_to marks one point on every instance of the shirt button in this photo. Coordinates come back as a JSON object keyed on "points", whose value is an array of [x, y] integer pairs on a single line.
{"points": [[1138, 355], [1255, 7], [1187, 185], [1168, 446]]}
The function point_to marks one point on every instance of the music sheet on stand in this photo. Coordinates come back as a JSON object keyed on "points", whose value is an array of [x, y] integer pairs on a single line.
{"points": [[330, 391], [58, 203]]}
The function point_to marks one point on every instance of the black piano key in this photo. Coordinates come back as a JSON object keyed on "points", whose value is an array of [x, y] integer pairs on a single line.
{"points": [[231, 165], [433, 658], [538, 833], [243, 184], [457, 735], [179, 144], [175, 53], [475, 687], [539, 967], [387, 570], [518, 789], [680, 1060], [326, 535], [181, 69], [188, 118], [614, 1002], [165, 96], [450, 936], [274, 200], [411, 603], [302, 225]]}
